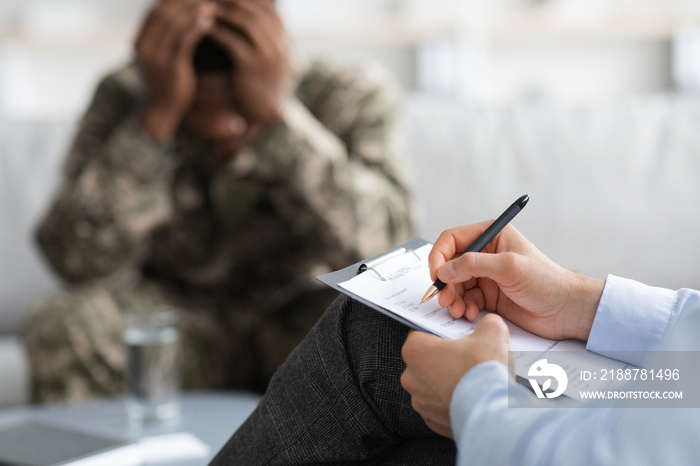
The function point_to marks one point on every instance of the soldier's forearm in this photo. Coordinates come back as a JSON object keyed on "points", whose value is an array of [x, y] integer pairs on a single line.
{"points": [[104, 212], [360, 202], [313, 165], [383, 207]]}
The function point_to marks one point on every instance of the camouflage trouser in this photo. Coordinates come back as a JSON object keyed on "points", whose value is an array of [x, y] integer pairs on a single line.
{"points": [[75, 347]]}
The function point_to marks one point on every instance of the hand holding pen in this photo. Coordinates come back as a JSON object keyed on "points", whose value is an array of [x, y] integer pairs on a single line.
{"points": [[516, 280], [483, 240]]}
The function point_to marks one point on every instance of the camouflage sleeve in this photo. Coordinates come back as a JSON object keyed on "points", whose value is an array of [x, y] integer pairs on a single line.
{"points": [[337, 155], [114, 192]]}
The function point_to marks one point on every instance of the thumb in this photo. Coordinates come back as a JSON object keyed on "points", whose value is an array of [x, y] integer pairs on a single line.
{"points": [[476, 265], [493, 327], [419, 347]]}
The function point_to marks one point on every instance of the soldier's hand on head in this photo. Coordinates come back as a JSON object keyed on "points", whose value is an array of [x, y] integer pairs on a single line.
{"points": [[252, 32], [164, 50]]}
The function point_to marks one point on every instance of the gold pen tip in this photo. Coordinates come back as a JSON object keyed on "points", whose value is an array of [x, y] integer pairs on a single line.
{"points": [[432, 291]]}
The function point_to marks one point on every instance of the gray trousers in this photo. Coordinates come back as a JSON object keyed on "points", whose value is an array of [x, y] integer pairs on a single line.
{"points": [[337, 400]]}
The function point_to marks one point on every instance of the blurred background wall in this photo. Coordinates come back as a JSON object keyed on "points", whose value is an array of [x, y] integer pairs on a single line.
{"points": [[53, 51]]}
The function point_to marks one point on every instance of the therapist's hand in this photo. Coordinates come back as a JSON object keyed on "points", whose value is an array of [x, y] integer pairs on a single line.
{"points": [[434, 366], [513, 278]]}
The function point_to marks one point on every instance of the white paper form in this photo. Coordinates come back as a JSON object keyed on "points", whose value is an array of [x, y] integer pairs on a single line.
{"points": [[401, 294]]}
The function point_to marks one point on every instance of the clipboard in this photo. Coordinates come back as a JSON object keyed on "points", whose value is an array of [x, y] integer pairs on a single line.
{"points": [[393, 262], [386, 265]]}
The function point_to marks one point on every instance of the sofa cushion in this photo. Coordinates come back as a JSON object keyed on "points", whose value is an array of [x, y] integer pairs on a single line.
{"points": [[614, 185], [14, 367], [31, 154]]}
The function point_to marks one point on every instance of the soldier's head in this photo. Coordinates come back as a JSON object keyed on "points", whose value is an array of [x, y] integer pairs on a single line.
{"points": [[219, 115], [214, 117]]}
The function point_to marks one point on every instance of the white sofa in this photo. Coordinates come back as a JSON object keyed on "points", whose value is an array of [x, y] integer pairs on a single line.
{"points": [[614, 188], [30, 155]]}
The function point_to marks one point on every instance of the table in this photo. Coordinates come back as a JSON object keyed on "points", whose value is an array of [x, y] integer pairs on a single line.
{"points": [[212, 416]]}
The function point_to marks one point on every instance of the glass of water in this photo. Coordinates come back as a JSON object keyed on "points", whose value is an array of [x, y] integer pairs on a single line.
{"points": [[151, 337]]}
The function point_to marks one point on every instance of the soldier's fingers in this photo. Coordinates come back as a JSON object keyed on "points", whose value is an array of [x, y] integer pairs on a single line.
{"points": [[150, 39], [165, 27], [147, 28], [266, 7], [238, 47], [259, 24], [158, 16], [187, 22], [195, 29]]}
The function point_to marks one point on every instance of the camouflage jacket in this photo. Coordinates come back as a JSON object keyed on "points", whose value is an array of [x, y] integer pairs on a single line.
{"points": [[320, 190]]}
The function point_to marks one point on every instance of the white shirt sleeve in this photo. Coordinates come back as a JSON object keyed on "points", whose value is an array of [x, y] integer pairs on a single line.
{"points": [[631, 316], [487, 431]]}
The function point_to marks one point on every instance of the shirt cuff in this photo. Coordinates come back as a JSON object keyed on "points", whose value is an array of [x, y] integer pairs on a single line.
{"points": [[631, 316]]}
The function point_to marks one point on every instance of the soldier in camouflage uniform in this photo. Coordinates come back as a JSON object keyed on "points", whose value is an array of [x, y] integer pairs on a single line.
{"points": [[214, 177]]}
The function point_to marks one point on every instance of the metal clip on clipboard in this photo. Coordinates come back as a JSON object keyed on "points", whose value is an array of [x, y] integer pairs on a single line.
{"points": [[391, 264]]}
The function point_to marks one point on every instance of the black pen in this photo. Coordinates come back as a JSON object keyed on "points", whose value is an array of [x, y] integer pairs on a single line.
{"points": [[485, 238]]}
